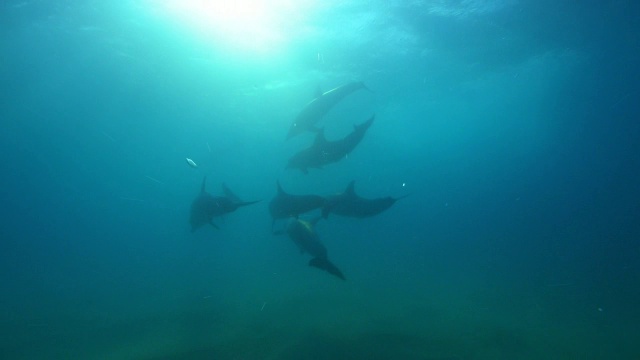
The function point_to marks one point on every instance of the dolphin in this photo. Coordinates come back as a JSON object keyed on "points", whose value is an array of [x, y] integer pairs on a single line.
{"points": [[304, 236], [323, 151], [285, 205], [206, 206], [319, 107], [350, 204]]}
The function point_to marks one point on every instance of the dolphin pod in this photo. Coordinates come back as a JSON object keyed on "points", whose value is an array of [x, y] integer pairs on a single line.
{"points": [[291, 206]]}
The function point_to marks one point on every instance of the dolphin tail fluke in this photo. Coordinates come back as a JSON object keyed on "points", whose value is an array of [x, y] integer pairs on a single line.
{"points": [[326, 265]]}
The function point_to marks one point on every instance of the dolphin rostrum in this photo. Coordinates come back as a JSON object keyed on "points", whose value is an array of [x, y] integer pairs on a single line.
{"points": [[319, 107], [350, 204], [304, 236], [323, 151], [285, 205], [206, 206]]}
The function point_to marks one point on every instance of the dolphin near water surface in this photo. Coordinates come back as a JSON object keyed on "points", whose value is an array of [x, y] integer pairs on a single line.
{"points": [[319, 107]]}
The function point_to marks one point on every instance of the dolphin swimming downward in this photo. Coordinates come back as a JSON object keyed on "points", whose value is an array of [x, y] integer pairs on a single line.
{"points": [[206, 206], [320, 106], [304, 236], [324, 152]]}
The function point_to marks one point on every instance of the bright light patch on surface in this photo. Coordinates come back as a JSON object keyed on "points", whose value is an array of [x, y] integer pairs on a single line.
{"points": [[253, 26]]}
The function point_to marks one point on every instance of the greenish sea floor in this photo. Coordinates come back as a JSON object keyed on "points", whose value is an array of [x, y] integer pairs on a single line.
{"points": [[337, 320]]}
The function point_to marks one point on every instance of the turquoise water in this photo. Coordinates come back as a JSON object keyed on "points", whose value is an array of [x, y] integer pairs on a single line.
{"points": [[511, 125]]}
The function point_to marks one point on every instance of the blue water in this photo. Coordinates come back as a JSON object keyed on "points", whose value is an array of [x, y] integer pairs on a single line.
{"points": [[512, 126]]}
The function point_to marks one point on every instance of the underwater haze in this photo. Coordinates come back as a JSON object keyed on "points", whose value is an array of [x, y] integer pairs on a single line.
{"points": [[509, 129]]}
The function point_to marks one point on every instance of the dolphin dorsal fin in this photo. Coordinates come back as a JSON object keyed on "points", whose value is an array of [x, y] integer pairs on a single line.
{"points": [[319, 137], [350, 190], [315, 220], [229, 194], [365, 124], [202, 188]]}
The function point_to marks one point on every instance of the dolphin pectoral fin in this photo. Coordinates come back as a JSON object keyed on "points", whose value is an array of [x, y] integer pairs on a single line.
{"points": [[350, 190], [214, 224], [325, 212]]}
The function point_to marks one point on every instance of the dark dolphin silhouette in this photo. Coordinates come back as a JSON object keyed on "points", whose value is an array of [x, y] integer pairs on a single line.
{"points": [[350, 204], [304, 236], [206, 206], [324, 152], [285, 205], [320, 106]]}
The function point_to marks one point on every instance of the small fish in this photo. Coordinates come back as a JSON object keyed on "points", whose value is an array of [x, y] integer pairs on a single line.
{"points": [[192, 163]]}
